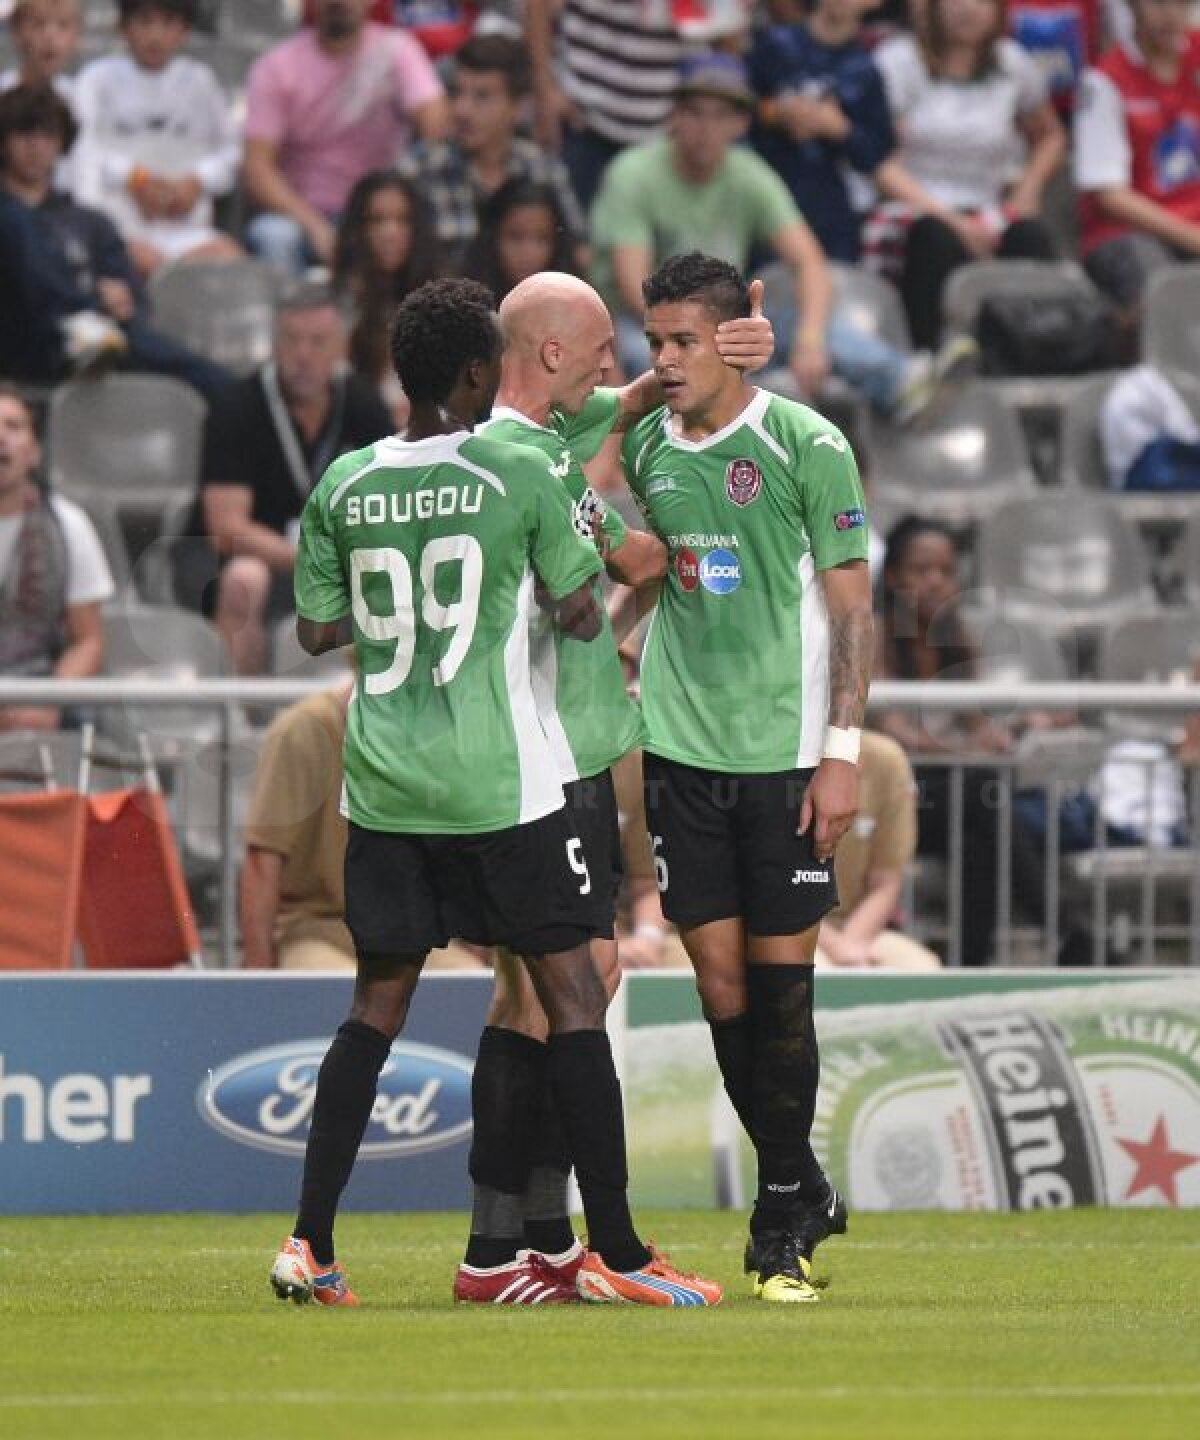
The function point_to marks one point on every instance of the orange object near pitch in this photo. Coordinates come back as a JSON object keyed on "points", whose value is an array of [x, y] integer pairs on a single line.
{"points": [[104, 868]]}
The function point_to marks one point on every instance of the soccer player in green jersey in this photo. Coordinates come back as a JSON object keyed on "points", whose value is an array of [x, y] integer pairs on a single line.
{"points": [[427, 552], [754, 684], [558, 345]]}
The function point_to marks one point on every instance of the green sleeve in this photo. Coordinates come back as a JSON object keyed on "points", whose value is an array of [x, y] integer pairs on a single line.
{"points": [[832, 499], [773, 208], [583, 434], [560, 556], [320, 582], [619, 215], [614, 527]]}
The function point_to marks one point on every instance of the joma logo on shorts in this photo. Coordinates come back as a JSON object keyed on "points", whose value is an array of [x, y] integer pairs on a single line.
{"points": [[810, 877]]}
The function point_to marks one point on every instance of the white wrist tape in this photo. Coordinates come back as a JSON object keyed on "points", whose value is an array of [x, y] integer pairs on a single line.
{"points": [[842, 744]]}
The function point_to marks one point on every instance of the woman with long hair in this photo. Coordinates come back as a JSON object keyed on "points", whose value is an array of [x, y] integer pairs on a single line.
{"points": [[522, 231], [385, 247], [922, 636], [978, 140]]}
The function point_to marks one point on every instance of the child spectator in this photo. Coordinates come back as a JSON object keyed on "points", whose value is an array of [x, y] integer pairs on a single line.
{"points": [[385, 248], [978, 140], [45, 35], [157, 143], [68, 292], [822, 113], [522, 232], [1137, 153], [1063, 36]]}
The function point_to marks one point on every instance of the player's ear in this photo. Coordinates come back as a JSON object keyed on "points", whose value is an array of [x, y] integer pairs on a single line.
{"points": [[552, 355]]}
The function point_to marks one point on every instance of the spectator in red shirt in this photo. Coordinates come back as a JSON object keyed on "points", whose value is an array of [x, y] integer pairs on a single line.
{"points": [[1137, 152]]}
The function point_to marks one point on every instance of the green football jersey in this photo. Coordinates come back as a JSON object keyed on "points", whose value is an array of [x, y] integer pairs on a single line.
{"points": [[580, 689], [735, 675], [434, 548]]}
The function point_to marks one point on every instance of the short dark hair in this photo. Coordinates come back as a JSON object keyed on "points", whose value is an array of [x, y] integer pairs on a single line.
{"points": [[438, 330], [307, 295], [502, 53], [183, 10], [714, 283], [26, 108]]}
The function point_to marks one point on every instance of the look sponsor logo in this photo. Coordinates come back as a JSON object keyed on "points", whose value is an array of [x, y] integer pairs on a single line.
{"points": [[720, 572]]}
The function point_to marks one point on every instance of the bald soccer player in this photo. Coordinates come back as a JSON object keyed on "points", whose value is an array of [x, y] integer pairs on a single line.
{"points": [[558, 338]]}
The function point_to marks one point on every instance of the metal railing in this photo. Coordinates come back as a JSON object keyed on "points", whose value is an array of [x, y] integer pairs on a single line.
{"points": [[228, 699]]}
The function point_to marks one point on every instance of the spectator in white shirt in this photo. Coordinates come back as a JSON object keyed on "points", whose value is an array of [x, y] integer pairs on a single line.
{"points": [[977, 141], [53, 574], [157, 142]]}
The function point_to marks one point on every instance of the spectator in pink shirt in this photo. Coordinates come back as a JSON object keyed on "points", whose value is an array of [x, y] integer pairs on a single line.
{"points": [[323, 108]]}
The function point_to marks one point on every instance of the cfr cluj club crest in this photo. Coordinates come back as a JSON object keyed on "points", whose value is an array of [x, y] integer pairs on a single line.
{"points": [[743, 481]]}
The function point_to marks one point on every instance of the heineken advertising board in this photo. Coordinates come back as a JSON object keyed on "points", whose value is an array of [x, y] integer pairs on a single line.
{"points": [[954, 1092]]}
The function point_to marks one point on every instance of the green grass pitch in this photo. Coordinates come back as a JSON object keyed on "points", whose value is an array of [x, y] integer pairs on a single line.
{"points": [[1083, 1324]]}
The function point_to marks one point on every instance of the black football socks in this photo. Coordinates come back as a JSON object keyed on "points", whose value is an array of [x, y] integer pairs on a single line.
{"points": [[786, 1071], [585, 1088], [544, 1205], [345, 1095], [733, 1042], [506, 1099]]}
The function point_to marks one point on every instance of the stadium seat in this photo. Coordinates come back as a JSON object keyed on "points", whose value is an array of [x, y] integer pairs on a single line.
{"points": [[135, 440], [1012, 651], [1163, 647], [1171, 319], [161, 642], [225, 311], [1064, 567], [196, 799], [1082, 456], [60, 760], [970, 285], [264, 21], [290, 661], [870, 303], [969, 463]]}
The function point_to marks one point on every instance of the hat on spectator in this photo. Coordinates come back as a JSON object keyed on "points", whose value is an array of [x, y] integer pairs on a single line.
{"points": [[715, 73]]}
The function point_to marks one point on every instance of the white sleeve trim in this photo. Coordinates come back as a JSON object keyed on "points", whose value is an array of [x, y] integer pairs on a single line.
{"points": [[1103, 158]]}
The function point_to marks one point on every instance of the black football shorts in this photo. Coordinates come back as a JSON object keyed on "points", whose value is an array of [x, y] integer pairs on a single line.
{"points": [[726, 845], [524, 887]]}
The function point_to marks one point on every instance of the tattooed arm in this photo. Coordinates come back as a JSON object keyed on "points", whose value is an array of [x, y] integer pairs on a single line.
{"points": [[832, 799]]}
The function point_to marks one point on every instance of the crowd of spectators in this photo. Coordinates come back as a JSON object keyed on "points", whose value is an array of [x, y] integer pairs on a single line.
{"points": [[372, 149]]}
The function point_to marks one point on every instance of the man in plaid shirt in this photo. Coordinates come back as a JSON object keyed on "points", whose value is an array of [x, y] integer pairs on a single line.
{"points": [[491, 82]]}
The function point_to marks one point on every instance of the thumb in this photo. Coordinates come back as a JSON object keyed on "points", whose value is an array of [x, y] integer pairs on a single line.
{"points": [[806, 813], [756, 299]]}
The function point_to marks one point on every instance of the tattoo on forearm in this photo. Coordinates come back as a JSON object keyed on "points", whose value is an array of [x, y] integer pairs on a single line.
{"points": [[851, 653]]}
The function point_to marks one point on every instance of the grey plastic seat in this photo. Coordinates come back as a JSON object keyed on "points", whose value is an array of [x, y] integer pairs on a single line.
{"points": [[162, 642], [961, 469], [870, 303], [290, 661], [225, 311], [1064, 568], [1014, 652], [1082, 456], [1191, 546], [196, 798], [32, 760], [970, 285], [133, 439], [1171, 319], [1163, 648], [267, 20]]}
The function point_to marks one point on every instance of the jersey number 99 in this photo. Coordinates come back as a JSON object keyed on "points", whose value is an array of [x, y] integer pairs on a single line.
{"points": [[400, 625]]}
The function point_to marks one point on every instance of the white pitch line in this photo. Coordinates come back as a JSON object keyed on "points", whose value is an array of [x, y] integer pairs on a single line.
{"points": [[624, 1394]]}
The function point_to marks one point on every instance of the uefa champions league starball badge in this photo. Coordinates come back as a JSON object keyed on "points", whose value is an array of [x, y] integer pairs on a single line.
{"points": [[743, 481]]}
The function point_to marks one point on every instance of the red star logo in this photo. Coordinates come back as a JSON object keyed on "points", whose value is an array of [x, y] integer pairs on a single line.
{"points": [[1157, 1164]]}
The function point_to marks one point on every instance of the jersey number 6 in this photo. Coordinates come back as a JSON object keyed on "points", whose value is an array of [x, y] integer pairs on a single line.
{"points": [[400, 625]]}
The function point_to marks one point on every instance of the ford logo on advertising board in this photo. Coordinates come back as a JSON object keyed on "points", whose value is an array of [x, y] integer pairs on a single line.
{"points": [[265, 1099]]}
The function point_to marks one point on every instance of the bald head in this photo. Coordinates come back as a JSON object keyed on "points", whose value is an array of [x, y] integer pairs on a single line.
{"points": [[557, 332]]}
